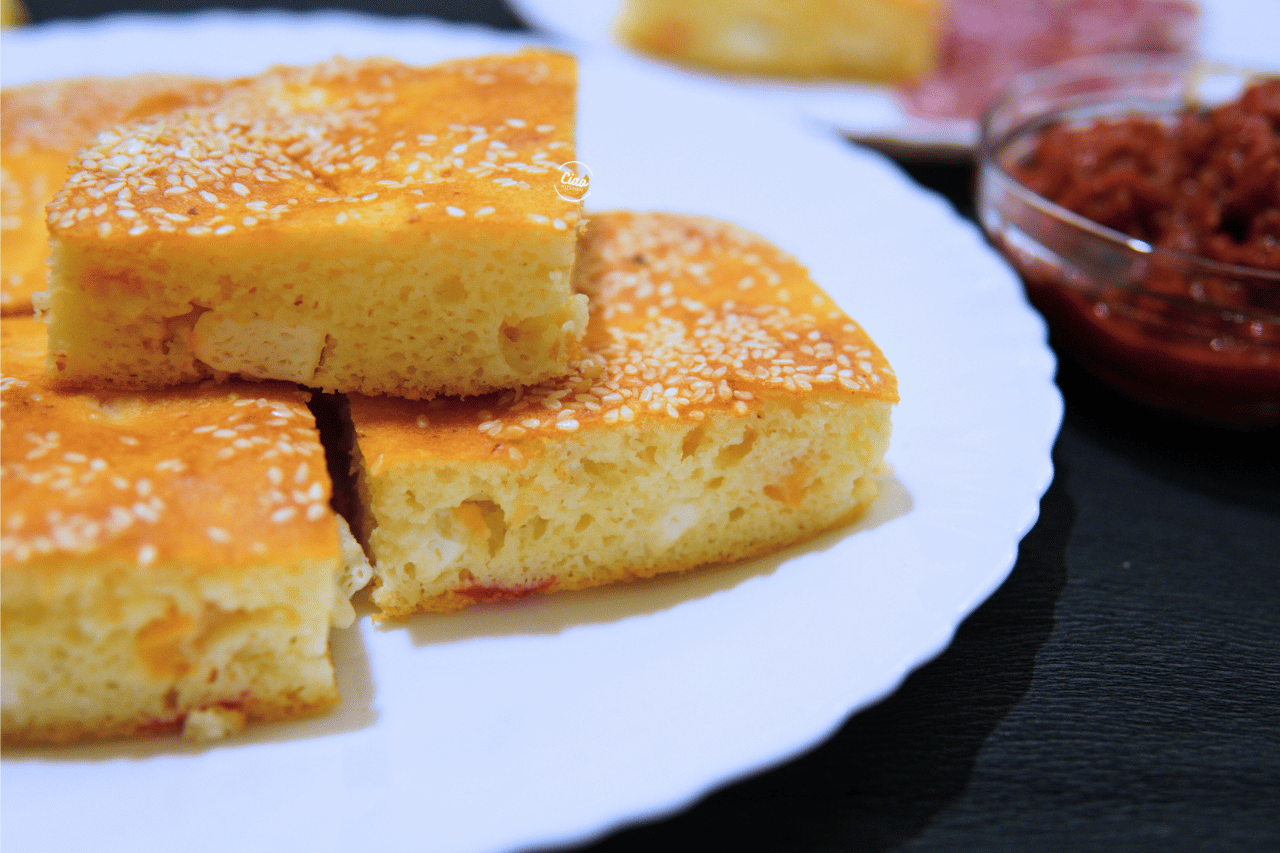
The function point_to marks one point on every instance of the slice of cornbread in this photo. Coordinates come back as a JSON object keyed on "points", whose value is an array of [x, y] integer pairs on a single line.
{"points": [[170, 560], [353, 226], [42, 126], [877, 41], [725, 407]]}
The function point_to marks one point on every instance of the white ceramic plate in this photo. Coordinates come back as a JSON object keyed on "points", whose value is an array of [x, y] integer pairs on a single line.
{"points": [[1238, 31], [555, 719]]}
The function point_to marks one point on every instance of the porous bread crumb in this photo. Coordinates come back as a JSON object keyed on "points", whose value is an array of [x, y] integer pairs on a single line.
{"points": [[355, 575], [725, 407], [353, 226], [214, 723]]}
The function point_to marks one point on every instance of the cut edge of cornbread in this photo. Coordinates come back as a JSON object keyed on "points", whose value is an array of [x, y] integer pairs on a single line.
{"points": [[354, 226], [121, 653], [711, 421], [638, 501]]}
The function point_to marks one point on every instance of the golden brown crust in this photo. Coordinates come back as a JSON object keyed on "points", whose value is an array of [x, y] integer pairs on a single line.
{"points": [[210, 477], [63, 115], [759, 328], [42, 126], [308, 146]]}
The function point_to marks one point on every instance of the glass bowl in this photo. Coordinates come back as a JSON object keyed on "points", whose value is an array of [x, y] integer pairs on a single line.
{"points": [[1174, 330]]}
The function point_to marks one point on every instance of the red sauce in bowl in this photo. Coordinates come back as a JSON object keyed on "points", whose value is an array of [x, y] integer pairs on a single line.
{"points": [[1207, 184], [1173, 328]]}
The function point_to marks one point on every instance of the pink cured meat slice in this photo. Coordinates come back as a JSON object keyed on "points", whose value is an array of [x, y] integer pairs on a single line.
{"points": [[988, 42]]}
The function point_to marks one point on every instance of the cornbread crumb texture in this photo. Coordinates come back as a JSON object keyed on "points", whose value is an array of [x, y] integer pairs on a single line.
{"points": [[354, 226], [162, 555], [878, 41], [725, 407], [42, 125]]}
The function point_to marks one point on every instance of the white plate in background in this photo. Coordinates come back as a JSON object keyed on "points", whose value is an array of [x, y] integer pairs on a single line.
{"points": [[1242, 32], [554, 719]]}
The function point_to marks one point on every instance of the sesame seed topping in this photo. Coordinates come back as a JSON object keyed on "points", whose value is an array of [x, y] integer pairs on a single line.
{"points": [[245, 156], [675, 337], [98, 495]]}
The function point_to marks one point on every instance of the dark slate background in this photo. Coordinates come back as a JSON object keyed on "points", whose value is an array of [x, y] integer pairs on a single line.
{"points": [[1121, 690]]}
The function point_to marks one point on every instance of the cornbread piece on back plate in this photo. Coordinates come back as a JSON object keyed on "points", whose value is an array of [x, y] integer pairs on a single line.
{"points": [[878, 41], [353, 226], [170, 560], [42, 126], [725, 407]]}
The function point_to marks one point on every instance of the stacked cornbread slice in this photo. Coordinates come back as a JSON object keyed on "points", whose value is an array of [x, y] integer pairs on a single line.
{"points": [[726, 407], [353, 226], [42, 126], [170, 559]]}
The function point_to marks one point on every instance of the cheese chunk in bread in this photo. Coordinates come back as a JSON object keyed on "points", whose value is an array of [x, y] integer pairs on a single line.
{"points": [[353, 226], [877, 41], [42, 126], [170, 559], [725, 407]]}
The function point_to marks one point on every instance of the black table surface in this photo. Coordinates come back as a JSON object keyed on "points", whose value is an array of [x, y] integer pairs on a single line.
{"points": [[1120, 691]]}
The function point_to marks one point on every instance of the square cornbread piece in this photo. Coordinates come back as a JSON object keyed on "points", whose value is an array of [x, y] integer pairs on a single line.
{"points": [[726, 407], [42, 126], [359, 226], [170, 560], [875, 41]]}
